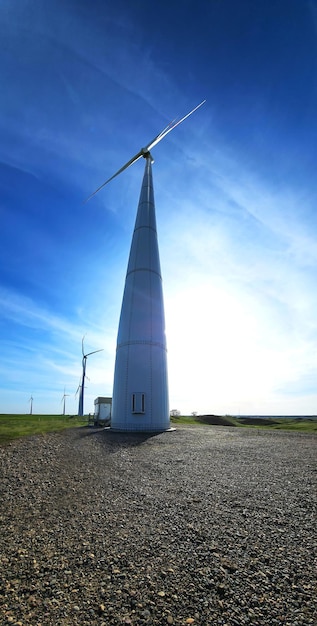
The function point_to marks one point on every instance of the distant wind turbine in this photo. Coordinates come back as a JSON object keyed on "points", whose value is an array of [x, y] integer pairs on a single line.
{"points": [[64, 400], [81, 386], [31, 405], [140, 392]]}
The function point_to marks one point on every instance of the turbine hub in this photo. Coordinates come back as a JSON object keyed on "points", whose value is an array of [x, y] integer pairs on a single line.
{"points": [[146, 154]]}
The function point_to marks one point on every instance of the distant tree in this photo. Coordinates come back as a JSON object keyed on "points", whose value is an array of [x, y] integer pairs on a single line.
{"points": [[175, 413], [194, 413]]}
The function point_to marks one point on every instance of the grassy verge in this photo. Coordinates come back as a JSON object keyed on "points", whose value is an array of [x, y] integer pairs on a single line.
{"points": [[184, 420], [302, 424], [15, 426]]}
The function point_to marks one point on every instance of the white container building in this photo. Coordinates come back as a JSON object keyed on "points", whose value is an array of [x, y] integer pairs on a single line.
{"points": [[102, 414]]}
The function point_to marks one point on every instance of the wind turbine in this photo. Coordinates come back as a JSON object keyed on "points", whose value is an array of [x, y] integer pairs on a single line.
{"points": [[81, 386], [145, 152], [31, 405], [64, 400], [140, 391]]}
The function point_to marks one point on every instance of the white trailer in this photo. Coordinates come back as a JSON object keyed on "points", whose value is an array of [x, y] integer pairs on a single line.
{"points": [[102, 414]]}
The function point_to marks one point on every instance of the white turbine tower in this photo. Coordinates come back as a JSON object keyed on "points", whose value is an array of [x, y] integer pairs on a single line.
{"points": [[81, 387], [31, 405], [140, 392]]}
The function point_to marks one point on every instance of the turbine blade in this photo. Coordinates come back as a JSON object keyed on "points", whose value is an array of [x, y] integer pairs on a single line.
{"points": [[162, 133], [170, 127], [124, 167], [144, 151], [94, 352]]}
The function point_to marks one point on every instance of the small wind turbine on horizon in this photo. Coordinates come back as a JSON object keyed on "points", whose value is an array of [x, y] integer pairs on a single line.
{"points": [[64, 400], [31, 405], [140, 391], [81, 386]]}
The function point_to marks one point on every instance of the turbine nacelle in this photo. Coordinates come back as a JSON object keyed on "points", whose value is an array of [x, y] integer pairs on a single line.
{"points": [[146, 154]]}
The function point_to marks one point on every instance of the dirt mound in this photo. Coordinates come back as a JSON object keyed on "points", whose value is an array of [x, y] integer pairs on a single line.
{"points": [[218, 420], [257, 421]]}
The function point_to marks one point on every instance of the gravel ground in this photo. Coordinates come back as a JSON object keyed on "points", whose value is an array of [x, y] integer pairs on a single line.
{"points": [[204, 525]]}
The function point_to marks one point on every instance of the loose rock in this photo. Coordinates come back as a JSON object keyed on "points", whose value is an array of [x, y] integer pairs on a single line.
{"points": [[204, 526]]}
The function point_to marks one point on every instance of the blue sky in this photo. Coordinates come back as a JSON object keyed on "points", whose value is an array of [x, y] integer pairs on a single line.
{"points": [[84, 86]]}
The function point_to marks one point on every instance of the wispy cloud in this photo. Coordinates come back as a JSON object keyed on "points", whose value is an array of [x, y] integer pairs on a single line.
{"points": [[24, 311], [236, 229], [242, 299], [48, 356]]}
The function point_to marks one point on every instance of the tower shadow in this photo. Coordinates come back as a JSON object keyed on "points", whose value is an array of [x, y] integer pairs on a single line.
{"points": [[114, 440]]}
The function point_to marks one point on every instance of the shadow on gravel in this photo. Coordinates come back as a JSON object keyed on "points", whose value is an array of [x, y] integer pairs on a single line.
{"points": [[114, 440]]}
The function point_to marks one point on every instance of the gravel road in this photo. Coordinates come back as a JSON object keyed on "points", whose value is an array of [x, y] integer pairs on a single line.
{"points": [[205, 525]]}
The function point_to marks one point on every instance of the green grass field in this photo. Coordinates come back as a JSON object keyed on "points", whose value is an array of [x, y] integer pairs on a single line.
{"points": [[302, 424], [15, 426]]}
